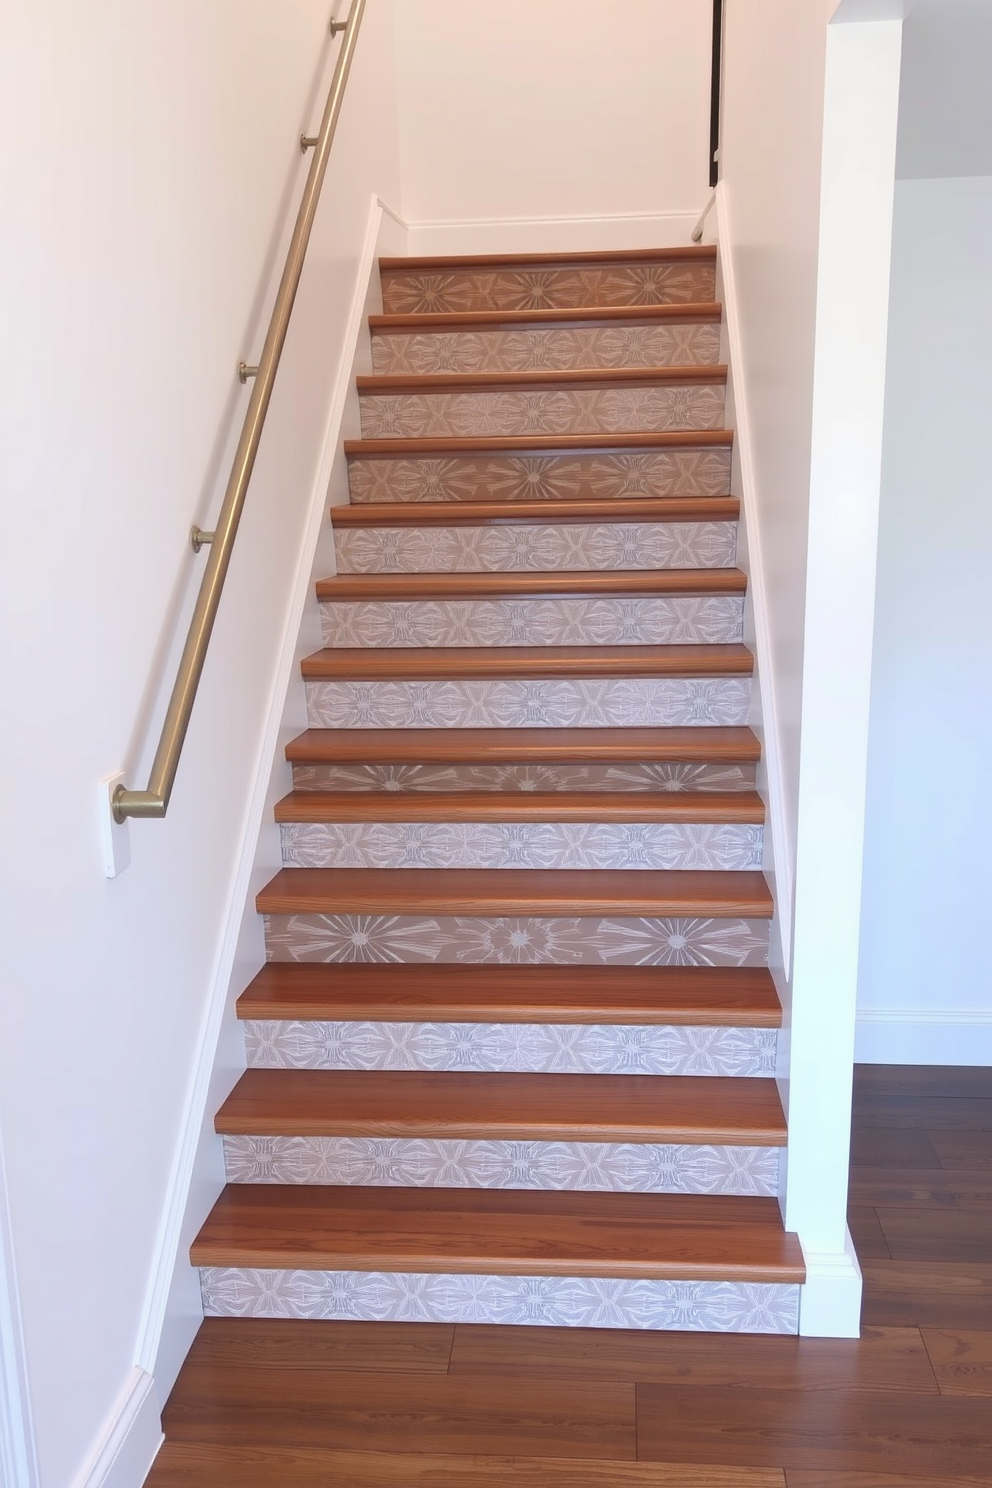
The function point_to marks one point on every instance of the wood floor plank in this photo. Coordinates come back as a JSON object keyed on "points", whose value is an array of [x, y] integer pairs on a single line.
{"points": [[517, 806], [866, 1232], [717, 996], [917, 1080], [816, 1479], [961, 1359], [714, 745], [892, 1148], [962, 1149], [914, 1188], [882, 1359], [935, 1235], [643, 893], [930, 1113], [192, 1465], [285, 1343], [509, 1107], [402, 1412], [841, 1430], [467, 663], [929, 1294]]}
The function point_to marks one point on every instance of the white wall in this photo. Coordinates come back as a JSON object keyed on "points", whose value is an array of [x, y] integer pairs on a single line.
{"points": [[925, 985], [150, 164], [944, 101], [525, 123]]}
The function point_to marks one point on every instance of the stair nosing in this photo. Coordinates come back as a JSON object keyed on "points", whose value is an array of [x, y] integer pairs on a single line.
{"points": [[406, 746], [383, 663], [706, 312], [536, 584], [582, 378], [697, 807], [601, 512], [538, 444], [390, 264]]}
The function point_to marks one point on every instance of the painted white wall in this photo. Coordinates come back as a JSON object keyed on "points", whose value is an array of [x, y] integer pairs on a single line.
{"points": [[151, 167], [944, 125], [525, 123], [925, 994]]}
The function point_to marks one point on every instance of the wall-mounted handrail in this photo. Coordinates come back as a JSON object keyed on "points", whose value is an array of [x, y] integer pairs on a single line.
{"points": [[716, 80], [154, 802]]}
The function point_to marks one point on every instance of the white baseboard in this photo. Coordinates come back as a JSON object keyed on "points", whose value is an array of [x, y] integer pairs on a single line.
{"points": [[830, 1300], [18, 1459], [129, 1442], [909, 1036], [554, 234]]}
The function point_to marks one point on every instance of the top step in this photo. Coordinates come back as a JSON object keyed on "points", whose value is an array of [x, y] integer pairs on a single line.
{"points": [[660, 276]]}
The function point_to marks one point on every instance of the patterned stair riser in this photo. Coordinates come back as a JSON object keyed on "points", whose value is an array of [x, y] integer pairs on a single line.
{"points": [[541, 348], [612, 1167], [544, 845], [568, 547], [509, 287], [586, 476], [508, 1048], [536, 1301], [702, 619], [627, 777], [522, 940], [557, 411], [554, 703]]}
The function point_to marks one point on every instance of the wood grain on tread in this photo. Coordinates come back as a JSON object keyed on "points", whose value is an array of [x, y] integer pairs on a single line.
{"points": [[445, 1105], [539, 444], [508, 1232], [524, 746], [425, 662], [537, 513], [195, 1464], [546, 260], [520, 806], [708, 996], [586, 315], [582, 379], [584, 584], [640, 893]]}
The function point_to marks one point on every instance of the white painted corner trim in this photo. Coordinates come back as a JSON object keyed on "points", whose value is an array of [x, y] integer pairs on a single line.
{"points": [[783, 857], [130, 1440], [830, 1298], [166, 1252], [18, 1461]]}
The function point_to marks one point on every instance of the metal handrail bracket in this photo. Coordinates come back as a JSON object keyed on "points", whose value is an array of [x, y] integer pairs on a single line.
{"points": [[154, 801]]}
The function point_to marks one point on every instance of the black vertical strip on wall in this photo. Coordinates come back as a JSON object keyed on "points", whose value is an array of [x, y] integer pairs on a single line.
{"points": [[715, 92]]}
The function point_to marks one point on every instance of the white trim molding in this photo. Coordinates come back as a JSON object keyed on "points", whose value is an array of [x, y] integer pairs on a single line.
{"points": [[830, 1298], [129, 1442], [955, 1036], [554, 234]]}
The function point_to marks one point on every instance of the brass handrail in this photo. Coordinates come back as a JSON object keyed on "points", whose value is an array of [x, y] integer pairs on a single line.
{"points": [[154, 802]]}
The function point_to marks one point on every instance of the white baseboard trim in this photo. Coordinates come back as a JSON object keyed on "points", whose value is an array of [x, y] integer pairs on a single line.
{"points": [[129, 1442], [18, 1459], [958, 1036], [554, 234], [830, 1299], [167, 1250]]}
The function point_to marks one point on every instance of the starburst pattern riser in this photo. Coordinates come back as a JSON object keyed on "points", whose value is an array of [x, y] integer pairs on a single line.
{"points": [[530, 940], [672, 778], [715, 619], [730, 847], [562, 411], [591, 1167], [546, 349], [504, 549], [541, 1301], [415, 292], [512, 1048], [512, 703], [542, 477]]}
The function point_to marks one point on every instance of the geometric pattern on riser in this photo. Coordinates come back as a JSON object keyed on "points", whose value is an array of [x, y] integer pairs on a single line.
{"points": [[595, 1167], [672, 778], [541, 411], [712, 619], [730, 846], [540, 348], [534, 1301], [512, 1048], [521, 940], [525, 703], [542, 477], [456, 290], [605, 545]]}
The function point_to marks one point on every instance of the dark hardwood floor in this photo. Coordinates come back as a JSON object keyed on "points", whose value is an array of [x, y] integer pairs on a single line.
{"points": [[310, 1405]]}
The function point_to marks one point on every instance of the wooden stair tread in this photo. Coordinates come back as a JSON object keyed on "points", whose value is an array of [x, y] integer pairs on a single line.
{"points": [[499, 1231], [704, 996], [639, 893], [702, 1109], [546, 260], [542, 513], [579, 584], [688, 660], [537, 444], [585, 315], [582, 378], [520, 806], [724, 745]]}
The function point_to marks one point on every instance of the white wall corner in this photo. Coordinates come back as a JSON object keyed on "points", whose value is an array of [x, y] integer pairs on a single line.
{"points": [[18, 1460], [671, 229], [131, 1437], [830, 1299]]}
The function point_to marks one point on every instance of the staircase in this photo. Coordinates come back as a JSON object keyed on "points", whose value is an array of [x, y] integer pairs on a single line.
{"points": [[511, 1057]]}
